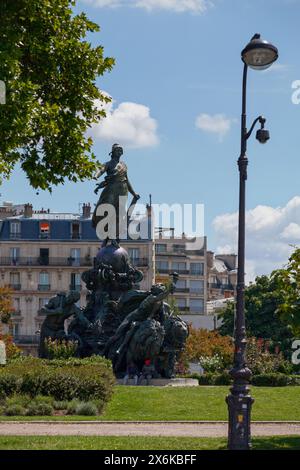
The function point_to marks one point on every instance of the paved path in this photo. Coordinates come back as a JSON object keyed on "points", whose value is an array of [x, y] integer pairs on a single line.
{"points": [[182, 429]]}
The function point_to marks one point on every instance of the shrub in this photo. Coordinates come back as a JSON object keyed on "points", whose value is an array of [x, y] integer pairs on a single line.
{"points": [[60, 405], [9, 383], [215, 379], [211, 363], [271, 380], [263, 362], [12, 351], [85, 379], [39, 409], [60, 349], [71, 406], [207, 343], [86, 409], [22, 400], [14, 410]]}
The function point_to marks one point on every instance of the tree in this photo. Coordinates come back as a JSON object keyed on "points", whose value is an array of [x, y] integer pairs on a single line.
{"points": [[288, 281], [6, 305], [6, 310], [49, 70], [262, 299]]}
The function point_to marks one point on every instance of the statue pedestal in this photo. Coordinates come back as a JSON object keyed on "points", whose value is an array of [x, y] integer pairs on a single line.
{"points": [[164, 382]]}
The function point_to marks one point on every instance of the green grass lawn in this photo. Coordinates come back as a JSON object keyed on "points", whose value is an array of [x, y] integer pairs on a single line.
{"points": [[138, 443], [190, 403]]}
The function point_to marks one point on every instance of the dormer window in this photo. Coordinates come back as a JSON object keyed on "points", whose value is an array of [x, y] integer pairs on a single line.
{"points": [[75, 231], [45, 229], [15, 230]]}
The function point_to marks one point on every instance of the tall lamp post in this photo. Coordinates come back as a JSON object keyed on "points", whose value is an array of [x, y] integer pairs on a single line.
{"points": [[258, 55]]}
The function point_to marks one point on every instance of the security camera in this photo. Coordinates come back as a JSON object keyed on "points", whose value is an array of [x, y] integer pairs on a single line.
{"points": [[262, 136]]}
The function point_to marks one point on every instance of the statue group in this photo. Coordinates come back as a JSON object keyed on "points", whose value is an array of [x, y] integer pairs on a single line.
{"points": [[127, 325]]}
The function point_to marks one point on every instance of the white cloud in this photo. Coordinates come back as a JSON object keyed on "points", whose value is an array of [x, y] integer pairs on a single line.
{"points": [[178, 6], [129, 124], [216, 124], [270, 236]]}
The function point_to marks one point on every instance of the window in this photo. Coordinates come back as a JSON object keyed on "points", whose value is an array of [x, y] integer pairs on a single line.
{"points": [[15, 229], [179, 248], [44, 256], [224, 280], [179, 266], [181, 284], [15, 329], [14, 256], [44, 281], [15, 282], [162, 265], [181, 302], [16, 304], [213, 280], [75, 281], [134, 254], [75, 231], [197, 269], [75, 257], [197, 305], [44, 229], [160, 248], [197, 287]]}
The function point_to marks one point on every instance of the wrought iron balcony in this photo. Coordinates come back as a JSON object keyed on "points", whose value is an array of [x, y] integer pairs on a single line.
{"points": [[45, 261], [26, 339], [15, 286], [44, 287]]}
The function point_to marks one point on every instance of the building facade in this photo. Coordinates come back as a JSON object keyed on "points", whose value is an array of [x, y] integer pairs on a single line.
{"points": [[42, 253], [188, 259], [222, 276]]}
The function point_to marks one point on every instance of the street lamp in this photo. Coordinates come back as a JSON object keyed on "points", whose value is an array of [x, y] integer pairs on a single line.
{"points": [[258, 55]]}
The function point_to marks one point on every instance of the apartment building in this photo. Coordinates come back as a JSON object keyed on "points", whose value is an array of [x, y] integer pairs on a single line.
{"points": [[222, 276], [173, 254], [42, 253]]}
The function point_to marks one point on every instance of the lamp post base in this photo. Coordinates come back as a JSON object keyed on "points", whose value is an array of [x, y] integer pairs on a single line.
{"points": [[239, 409]]}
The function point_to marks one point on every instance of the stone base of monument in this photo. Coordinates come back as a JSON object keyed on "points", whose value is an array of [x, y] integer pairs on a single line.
{"points": [[164, 382]]}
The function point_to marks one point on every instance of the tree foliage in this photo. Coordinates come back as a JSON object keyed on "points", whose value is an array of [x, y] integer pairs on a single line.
{"points": [[204, 343], [288, 281], [50, 71], [262, 300], [6, 305]]}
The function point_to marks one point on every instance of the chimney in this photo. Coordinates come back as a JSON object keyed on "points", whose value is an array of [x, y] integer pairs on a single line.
{"points": [[28, 211], [86, 211]]}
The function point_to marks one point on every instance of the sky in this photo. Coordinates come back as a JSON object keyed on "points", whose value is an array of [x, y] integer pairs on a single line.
{"points": [[176, 90]]}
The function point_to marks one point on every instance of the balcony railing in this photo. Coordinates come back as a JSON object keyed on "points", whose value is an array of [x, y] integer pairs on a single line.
{"points": [[26, 339], [171, 271], [44, 261], [221, 286], [182, 289], [15, 286], [15, 235], [184, 309], [140, 262], [44, 287]]}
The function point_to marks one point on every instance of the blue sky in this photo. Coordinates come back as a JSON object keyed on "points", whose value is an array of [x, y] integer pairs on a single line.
{"points": [[181, 65]]}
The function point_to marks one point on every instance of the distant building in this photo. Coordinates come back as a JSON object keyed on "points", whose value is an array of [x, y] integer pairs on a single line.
{"points": [[42, 253], [174, 254], [222, 276]]}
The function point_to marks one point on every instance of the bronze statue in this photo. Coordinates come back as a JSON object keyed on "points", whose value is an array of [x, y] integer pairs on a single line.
{"points": [[57, 310], [115, 187], [120, 321]]}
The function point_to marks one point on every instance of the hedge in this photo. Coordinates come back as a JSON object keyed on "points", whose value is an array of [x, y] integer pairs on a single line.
{"points": [[84, 379], [261, 380]]}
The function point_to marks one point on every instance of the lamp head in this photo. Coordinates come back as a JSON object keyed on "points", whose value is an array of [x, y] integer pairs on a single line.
{"points": [[259, 54], [262, 134]]}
